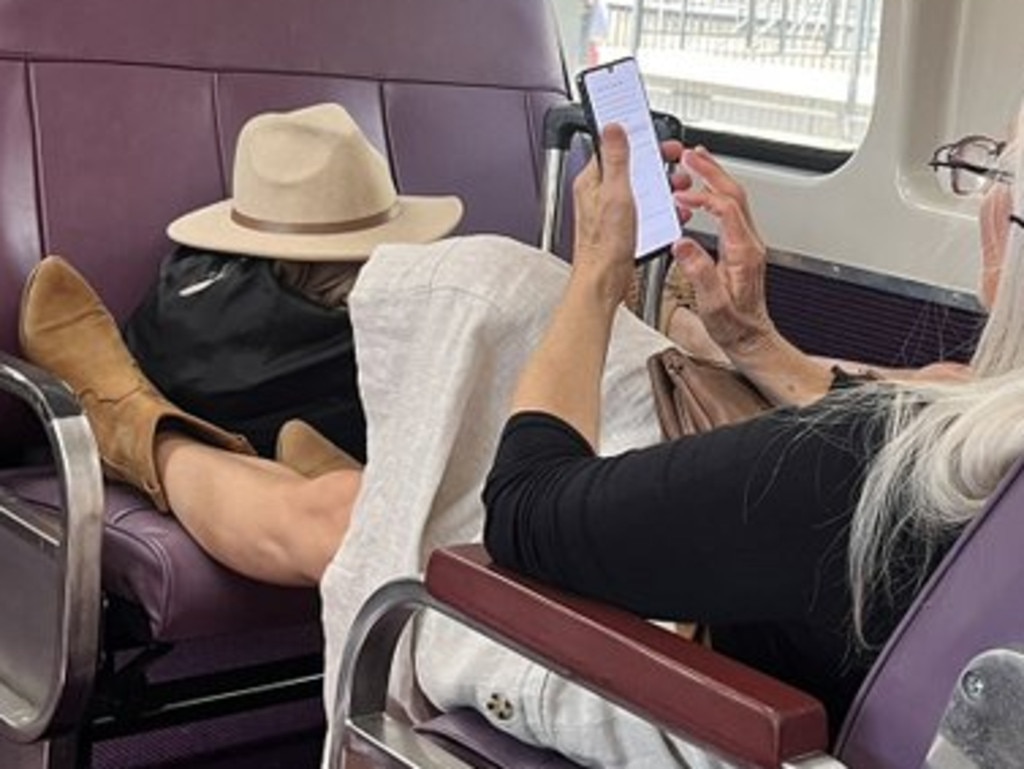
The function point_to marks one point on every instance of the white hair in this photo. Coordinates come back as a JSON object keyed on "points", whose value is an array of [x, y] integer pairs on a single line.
{"points": [[947, 446]]}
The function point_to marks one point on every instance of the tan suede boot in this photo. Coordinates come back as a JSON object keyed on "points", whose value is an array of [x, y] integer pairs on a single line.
{"points": [[66, 329], [302, 448]]}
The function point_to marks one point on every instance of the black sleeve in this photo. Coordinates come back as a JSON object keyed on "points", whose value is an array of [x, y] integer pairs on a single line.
{"points": [[743, 524]]}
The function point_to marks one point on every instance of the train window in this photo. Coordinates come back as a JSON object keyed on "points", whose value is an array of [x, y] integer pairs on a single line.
{"points": [[790, 81]]}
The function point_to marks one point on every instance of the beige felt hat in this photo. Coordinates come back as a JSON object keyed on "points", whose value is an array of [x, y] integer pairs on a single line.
{"points": [[308, 186]]}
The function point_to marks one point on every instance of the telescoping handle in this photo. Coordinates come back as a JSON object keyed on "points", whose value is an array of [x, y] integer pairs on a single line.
{"points": [[564, 121], [562, 124]]}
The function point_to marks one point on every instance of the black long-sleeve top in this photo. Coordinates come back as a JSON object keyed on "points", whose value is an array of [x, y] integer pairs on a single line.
{"points": [[744, 529]]}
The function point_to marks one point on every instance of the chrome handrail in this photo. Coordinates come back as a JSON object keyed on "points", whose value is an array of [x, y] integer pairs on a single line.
{"points": [[73, 538]]}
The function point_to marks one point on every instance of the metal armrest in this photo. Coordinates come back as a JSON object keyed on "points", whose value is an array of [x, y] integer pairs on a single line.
{"points": [[50, 571], [686, 687]]}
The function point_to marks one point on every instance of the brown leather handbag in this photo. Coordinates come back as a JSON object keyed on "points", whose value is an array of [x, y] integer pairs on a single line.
{"points": [[694, 395]]}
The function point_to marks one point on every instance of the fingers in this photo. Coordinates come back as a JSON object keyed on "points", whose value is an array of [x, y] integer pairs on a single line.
{"points": [[697, 265], [703, 164], [618, 207], [611, 165], [735, 225], [699, 268], [680, 181], [671, 151], [589, 176], [614, 154], [605, 214], [721, 311], [723, 207], [718, 193]]}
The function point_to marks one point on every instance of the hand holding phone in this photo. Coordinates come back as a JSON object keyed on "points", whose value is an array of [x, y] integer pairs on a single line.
{"points": [[614, 93]]}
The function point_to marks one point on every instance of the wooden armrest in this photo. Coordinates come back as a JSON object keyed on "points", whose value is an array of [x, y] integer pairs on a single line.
{"points": [[682, 686]]}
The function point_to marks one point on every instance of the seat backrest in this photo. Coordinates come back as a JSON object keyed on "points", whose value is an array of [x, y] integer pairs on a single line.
{"points": [[117, 117], [971, 604]]}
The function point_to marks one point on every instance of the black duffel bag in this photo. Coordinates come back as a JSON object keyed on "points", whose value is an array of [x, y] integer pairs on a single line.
{"points": [[223, 339]]}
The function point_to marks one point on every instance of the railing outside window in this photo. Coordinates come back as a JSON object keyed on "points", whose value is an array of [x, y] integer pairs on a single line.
{"points": [[795, 71]]}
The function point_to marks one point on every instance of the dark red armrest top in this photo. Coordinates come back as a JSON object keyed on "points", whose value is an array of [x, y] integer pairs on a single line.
{"points": [[685, 687]]}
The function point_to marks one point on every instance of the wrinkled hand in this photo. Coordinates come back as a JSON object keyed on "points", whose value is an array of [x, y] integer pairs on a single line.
{"points": [[605, 231], [730, 293]]}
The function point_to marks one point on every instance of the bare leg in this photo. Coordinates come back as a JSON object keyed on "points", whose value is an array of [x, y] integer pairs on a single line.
{"points": [[255, 516]]}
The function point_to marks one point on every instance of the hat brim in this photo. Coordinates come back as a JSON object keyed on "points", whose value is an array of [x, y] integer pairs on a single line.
{"points": [[419, 220]]}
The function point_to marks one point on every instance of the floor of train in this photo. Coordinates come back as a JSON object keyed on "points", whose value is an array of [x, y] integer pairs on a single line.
{"points": [[282, 737]]}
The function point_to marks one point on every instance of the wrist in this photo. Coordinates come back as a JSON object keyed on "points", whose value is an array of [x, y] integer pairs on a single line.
{"points": [[604, 288], [754, 343], [784, 373]]}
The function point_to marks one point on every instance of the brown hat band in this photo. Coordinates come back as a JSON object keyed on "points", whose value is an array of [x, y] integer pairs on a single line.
{"points": [[311, 228]]}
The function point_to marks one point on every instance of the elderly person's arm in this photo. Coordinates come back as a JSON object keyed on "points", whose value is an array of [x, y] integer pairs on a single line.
{"points": [[730, 292], [731, 321], [563, 376]]}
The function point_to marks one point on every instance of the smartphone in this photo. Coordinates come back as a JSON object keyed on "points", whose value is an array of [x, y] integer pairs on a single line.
{"points": [[614, 93]]}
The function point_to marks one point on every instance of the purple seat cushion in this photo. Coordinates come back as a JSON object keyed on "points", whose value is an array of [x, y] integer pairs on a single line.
{"points": [[151, 561]]}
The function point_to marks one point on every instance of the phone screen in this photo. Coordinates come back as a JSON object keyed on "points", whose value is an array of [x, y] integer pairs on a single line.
{"points": [[614, 93]]}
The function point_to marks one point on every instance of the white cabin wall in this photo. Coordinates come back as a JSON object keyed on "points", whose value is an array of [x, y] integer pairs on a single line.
{"points": [[947, 68]]}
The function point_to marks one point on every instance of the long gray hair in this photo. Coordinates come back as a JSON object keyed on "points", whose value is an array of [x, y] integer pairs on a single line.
{"points": [[942, 460]]}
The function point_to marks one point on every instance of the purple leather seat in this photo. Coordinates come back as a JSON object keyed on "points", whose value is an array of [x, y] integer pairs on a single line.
{"points": [[151, 561], [972, 603], [117, 117]]}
